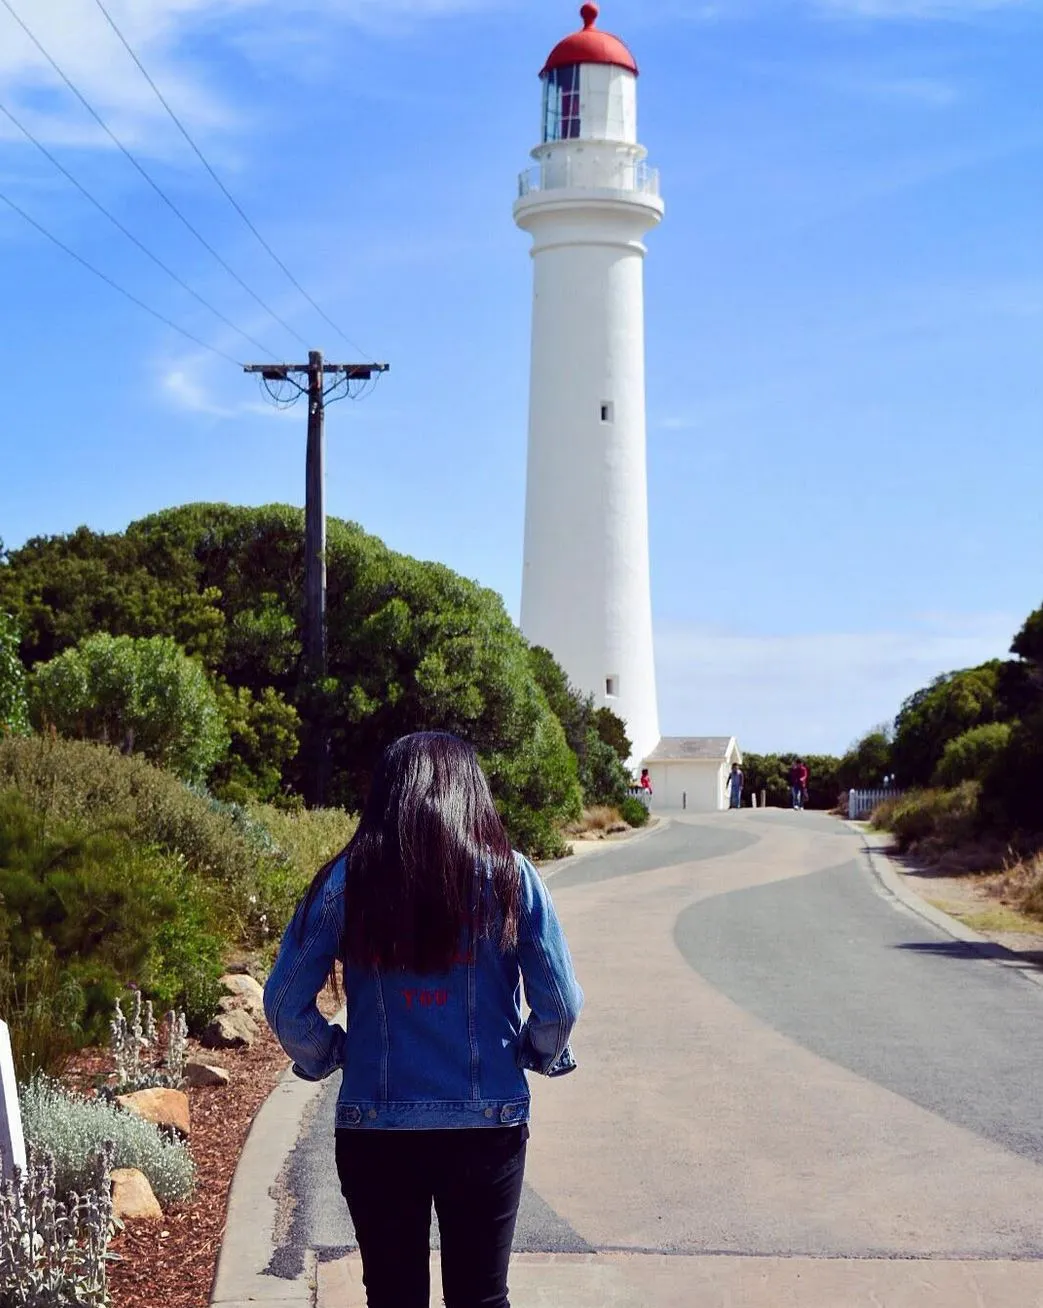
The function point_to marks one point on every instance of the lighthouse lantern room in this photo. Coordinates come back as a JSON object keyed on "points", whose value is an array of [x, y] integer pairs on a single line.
{"points": [[587, 204]]}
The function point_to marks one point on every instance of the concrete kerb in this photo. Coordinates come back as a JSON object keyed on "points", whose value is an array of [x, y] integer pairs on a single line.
{"points": [[253, 1209], [895, 884]]}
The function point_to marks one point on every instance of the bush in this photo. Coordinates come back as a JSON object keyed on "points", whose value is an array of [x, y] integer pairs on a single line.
{"points": [[14, 709], [105, 913], [145, 696], [73, 1128], [969, 757], [633, 812], [91, 785], [306, 839], [42, 1008], [1012, 792], [947, 818]]}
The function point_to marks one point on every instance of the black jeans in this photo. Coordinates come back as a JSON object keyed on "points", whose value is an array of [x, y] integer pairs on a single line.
{"points": [[473, 1177]]}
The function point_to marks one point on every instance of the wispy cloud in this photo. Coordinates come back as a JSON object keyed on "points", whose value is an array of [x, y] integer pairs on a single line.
{"points": [[815, 692], [80, 40], [189, 386]]}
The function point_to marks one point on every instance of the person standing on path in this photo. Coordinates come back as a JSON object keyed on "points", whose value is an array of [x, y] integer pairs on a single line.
{"points": [[437, 923], [736, 780], [798, 781]]}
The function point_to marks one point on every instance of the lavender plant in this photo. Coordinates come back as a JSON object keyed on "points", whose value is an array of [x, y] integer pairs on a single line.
{"points": [[53, 1250]]}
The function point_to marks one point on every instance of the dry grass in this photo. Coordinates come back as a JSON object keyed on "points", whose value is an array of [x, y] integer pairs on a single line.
{"points": [[597, 822], [1021, 885]]}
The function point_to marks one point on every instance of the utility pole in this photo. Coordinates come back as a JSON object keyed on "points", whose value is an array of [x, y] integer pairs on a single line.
{"points": [[311, 379]]}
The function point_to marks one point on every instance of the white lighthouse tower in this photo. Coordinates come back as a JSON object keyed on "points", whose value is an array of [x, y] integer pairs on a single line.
{"points": [[588, 203]]}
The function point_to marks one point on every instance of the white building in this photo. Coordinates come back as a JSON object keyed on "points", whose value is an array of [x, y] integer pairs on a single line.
{"points": [[691, 773], [588, 203]]}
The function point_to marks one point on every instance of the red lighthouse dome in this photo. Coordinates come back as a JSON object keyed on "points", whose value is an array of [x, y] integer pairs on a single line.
{"points": [[590, 46]]}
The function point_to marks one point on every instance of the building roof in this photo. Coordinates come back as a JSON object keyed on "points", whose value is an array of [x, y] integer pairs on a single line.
{"points": [[590, 46], [694, 749]]}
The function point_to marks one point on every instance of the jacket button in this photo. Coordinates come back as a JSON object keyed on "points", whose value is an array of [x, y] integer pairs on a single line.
{"points": [[488, 1112], [353, 1116], [372, 1114]]}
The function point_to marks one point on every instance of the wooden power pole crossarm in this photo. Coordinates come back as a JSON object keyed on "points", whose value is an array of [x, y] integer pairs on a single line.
{"points": [[310, 379]]}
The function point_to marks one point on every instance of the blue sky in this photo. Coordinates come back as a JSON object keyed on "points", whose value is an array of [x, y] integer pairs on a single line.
{"points": [[845, 309]]}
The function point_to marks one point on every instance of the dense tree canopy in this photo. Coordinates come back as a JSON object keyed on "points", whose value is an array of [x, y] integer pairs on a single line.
{"points": [[928, 720], [412, 645]]}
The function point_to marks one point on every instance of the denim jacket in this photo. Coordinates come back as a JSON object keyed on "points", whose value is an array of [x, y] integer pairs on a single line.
{"points": [[429, 1052]]}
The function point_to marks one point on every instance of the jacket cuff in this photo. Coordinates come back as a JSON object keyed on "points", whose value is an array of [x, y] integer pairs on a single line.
{"points": [[530, 1061]]}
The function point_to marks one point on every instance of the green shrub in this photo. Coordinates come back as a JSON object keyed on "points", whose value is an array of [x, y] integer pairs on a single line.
{"points": [[42, 1006], [145, 696], [73, 1128], [306, 839], [1012, 793], [947, 818], [633, 812], [970, 756], [14, 708], [107, 913], [94, 786]]}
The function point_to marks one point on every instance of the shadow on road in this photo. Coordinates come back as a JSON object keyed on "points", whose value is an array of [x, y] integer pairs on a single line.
{"points": [[986, 949]]}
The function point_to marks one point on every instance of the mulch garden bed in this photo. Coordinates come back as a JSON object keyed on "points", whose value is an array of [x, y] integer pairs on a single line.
{"points": [[172, 1262]]}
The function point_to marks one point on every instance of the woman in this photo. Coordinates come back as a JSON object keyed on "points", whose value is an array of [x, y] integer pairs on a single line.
{"points": [[437, 922]]}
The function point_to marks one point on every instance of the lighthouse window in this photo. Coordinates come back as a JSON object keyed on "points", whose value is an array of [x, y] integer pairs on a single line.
{"points": [[612, 687], [608, 411], [561, 115]]}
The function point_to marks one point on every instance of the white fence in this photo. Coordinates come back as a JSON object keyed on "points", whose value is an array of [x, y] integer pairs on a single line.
{"points": [[12, 1143], [861, 802]]}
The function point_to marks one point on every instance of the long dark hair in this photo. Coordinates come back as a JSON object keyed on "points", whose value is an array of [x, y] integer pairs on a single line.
{"points": [[430, 868]]}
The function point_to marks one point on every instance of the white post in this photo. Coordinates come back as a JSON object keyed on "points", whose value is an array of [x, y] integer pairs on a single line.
{"points": [[852, 805], [12, 1142]]}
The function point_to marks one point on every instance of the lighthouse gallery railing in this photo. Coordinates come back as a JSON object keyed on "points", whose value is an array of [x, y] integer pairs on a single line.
{"points": [[589, 172]]}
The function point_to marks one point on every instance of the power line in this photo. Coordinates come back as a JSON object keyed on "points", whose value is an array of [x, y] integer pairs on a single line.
{"points": [[126, 231], [146, 174], [220, 184], [115, 285]]}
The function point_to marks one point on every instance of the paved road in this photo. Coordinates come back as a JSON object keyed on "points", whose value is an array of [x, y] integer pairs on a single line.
{"points": [[776, 1061]]}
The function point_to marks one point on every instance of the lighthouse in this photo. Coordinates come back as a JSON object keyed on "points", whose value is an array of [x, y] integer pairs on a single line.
{"points": [[588, 203]]}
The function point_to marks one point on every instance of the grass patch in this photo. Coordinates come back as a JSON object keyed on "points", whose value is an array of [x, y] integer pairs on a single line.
{"points": [[599, 821]]}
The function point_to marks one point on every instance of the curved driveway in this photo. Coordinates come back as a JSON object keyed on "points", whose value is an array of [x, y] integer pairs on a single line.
{"points": [[775, 1058]]}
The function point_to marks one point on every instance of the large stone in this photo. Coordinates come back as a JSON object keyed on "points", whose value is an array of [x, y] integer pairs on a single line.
{"points": [[234, 1030], [203, 1076], [132, 1196], [246, 991], [167, 1108]]}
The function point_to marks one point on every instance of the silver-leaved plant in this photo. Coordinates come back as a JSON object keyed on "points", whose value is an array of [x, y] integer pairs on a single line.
{"points": [[52, 1249]]}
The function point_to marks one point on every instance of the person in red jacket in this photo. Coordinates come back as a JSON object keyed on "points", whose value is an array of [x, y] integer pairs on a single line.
{"points": [[798, 783]]}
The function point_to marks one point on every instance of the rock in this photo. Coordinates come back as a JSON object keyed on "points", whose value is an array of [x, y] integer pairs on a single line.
{"points": [[163, 1107], [234, 1030], [248, 992], [200, 1076], [132, 1196]]}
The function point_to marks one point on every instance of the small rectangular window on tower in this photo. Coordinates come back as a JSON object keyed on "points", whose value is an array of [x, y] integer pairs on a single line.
{"points": [[608, 411], [612, 687]]}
